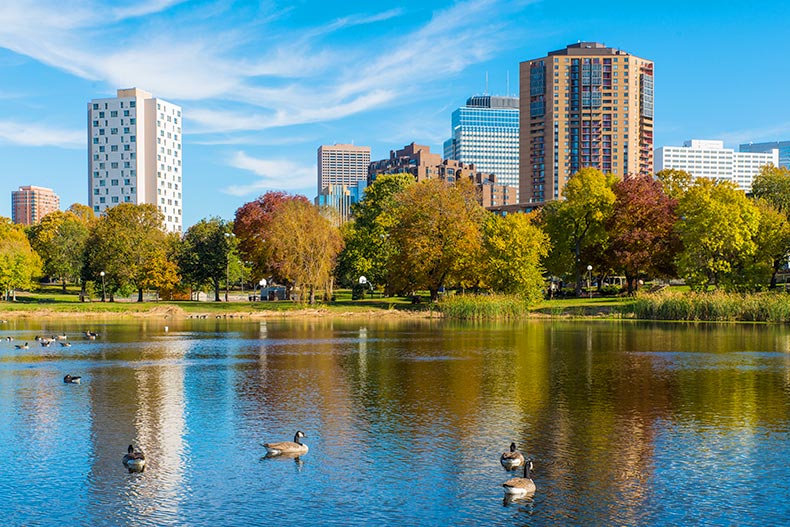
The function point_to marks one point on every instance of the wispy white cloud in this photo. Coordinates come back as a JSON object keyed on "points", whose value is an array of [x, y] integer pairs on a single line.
{"points": [[240, 81], [37, 134], [768, 133], [274, 174]]}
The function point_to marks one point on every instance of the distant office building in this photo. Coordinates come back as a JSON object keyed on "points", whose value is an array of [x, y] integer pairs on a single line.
{"points": [[342, 165], [485, 134], [30, 204], [134, 154], [420, 162], [702, 158], [340, 198], [583, 106], [767, 148]]}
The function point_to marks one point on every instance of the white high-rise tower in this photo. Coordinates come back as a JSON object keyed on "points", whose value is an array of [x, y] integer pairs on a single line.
{"points": [[134, 154]]}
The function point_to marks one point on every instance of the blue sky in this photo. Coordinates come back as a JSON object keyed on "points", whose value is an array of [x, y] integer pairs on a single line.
{"points": [[263, 84]]}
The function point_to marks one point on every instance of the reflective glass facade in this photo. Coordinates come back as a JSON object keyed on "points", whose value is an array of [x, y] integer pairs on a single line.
{"points": [[485, 133]]}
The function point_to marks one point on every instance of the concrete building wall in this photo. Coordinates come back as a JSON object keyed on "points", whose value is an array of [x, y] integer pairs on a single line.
{"points": [[782, 146], [134, 154], [342, 164], [705, 158]]}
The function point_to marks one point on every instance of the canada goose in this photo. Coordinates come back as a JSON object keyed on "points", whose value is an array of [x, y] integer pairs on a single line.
{"points": [[521, 486], [72, 379], [91, 335], [134, 460], [22, 346], [65, 344], [512, 459], [45, 343], [9, 339], [287, 447], [61, 337]]}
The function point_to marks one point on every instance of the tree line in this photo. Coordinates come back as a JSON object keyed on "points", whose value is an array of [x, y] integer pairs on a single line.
{"points": [[408, 236]]}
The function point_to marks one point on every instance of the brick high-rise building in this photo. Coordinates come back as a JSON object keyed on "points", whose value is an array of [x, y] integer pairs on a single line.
{"points": [[29, 204], [583, 106], [134, 154]]}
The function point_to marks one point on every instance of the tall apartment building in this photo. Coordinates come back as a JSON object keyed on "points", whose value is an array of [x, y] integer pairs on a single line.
{"points": [[703, 158], [342, 165], [29, 204], [134, 154], [341, 198], [583, 106], [765, 148], [420, 162], [485, 134]]}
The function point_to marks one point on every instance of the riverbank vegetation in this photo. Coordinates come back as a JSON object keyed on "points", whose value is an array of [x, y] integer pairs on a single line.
{"points": [[412, 241]]}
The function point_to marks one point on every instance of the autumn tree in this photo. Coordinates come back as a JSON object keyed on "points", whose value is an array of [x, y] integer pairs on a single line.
{"points": [[717, 226], [83, 212], [252, 225], [641, 229], [368, 247], [436, 234], [578, 221], [129, 244], [19, 263], [60, 239], [513, 247], [303, 246]]}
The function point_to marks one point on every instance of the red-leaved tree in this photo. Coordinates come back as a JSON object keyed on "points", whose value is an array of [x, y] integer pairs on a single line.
{"points": [[641, 229]]}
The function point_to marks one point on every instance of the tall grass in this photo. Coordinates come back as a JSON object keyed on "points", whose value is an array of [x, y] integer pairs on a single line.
{"points": [[715, 306], [479, 307]]}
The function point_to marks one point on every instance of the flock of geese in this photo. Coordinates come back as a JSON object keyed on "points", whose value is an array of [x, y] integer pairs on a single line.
{"points": [[134, 460]]}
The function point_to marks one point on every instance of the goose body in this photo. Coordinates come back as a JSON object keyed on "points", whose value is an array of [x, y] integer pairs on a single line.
{"points": [[72, 379], [287, 447], [521, 486], [22, 346], [512, 459], [91, 335], [134, 460], [65, 344]]}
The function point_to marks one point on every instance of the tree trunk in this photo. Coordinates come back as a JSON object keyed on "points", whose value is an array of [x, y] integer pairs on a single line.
{"points": [[63, 281], [434, 294], [139, 294], [578, 250], [216, 290], [312, 295]]}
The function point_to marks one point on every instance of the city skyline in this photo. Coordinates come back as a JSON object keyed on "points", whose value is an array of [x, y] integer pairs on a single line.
{"points": [[331, 74]]}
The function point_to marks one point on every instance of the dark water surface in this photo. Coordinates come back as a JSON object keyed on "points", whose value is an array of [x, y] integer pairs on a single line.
{"points": [[628, 423]]}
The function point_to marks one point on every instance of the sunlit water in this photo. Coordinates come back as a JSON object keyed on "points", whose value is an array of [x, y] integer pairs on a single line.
{"points": [[627, 423]]}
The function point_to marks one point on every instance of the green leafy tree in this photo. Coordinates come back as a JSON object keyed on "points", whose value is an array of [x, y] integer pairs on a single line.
{"points": [[60, 239], [203, 258], [773, 185], [304, 247], [436, 234], [641, 229], [577, 223], [717, 227], [772, 239], [368, 247], [513, 247], [129, 244], [83, 212], [675, 182], [19, 263]]}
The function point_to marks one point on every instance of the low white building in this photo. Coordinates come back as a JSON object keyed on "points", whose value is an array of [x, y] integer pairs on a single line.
{"points": [[704, 158]]}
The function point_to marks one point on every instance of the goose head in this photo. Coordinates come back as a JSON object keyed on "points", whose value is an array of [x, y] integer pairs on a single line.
{"points": [[528, 466], [299, 434], [512, 447]]}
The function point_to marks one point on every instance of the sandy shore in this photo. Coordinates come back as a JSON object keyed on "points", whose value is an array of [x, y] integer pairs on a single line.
{"points": [[175, 312]]}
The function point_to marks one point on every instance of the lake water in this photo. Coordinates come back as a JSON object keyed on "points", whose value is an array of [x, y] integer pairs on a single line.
{"points": [[628, 423]]}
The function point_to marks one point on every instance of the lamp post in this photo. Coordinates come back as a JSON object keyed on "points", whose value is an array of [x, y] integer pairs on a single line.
{"points": [[103, 297], [589, 279], [228, 235]]}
